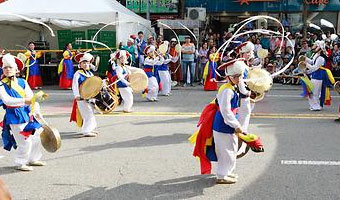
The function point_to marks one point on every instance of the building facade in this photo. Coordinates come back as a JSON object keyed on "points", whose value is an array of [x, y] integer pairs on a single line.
{"points": [[290, 12]]}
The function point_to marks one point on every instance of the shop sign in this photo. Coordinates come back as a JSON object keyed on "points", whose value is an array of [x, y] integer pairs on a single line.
{"points": [[316, 2], [249, 1]]}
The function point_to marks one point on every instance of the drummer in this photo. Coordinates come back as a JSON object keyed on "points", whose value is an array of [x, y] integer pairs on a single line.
{"points": [[19, 130], [86, 120], [123, 84]]}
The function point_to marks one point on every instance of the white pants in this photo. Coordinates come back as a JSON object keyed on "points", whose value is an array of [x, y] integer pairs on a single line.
{"points": [[141, 61], [152, 88], [166, 82], [127, 96], [226, 151], [28, 150], [244, 113], [87, 113], [314, 99]]}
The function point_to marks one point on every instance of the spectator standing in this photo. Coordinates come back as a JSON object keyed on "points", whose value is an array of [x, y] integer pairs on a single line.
{"points": [[132, 51], [141, 44], [188, 56]]}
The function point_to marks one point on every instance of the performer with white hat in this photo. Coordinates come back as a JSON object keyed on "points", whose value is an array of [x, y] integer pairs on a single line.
{"points": [[246, 51], [20, 130], [164, 73], [216, 139], [123, 84], [226, 124], [86, 120], [150, 61], [321, 77]]}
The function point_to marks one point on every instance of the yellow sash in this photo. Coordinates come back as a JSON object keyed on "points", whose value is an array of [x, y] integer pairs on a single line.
{"points": [[330, 75], [15, 86]]}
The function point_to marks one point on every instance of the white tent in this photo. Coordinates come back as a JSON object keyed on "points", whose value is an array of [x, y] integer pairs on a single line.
{"points": [[67, 14]]}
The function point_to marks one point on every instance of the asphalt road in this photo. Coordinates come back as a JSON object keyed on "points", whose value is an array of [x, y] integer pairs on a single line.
{"points": [[146, 154]]}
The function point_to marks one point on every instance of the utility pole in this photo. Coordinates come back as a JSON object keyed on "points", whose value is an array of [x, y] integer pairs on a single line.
{"points": [[147, 9], [304, 19], [182, 9]]}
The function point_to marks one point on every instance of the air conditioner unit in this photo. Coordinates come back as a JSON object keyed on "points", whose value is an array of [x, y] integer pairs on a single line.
{"points": [[197, 13]]}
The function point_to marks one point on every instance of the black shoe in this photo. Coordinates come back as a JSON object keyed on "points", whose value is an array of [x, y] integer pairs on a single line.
{"points": [[337, 120], [192, 85]]}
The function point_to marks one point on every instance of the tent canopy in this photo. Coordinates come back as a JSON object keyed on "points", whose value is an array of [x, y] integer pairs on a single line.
{"points": [[76, 13]]}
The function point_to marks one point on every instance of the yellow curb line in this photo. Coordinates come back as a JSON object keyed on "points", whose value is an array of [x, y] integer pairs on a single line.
{"points": [[195, 114]]}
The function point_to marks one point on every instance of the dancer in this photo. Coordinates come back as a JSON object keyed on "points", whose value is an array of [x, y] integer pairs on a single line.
{"points": [[175, 67], [123, 84], [33, 74], [216, 138], [209, 74], [164, 74], [82, 112], [149, 64], [322, 78], [20, 129], [65, 69]]}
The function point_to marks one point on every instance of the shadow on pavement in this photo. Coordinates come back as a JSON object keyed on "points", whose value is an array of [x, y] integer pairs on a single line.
{"points": [[70, 135], [142, 142], [8, 170], [180, 188]]}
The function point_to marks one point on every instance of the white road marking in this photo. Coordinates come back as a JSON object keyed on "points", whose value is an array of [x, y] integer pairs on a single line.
{"points": [[310, 162], [1, 156]]}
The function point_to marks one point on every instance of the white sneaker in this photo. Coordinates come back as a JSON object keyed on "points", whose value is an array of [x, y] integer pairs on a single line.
{"points": [[227, 180], [91, 134], [37, 163], [25, 168]]}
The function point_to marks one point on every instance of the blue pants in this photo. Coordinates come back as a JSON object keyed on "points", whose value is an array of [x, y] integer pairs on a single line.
{"points": [[185, 65]]}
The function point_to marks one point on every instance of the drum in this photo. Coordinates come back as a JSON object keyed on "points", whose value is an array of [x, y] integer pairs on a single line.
{"points": [[90, 87], [138, 79], [50, 138], [106, 100]]}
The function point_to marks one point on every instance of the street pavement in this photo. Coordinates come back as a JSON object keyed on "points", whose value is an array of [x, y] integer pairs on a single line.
{"points": [[146, 154]]}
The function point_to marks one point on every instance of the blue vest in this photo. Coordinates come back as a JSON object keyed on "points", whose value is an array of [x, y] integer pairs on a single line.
{"points": [[149, 73], [163, 67], [219, 124], [82, 77], [18, 115], [120, 84], [318, 75]]}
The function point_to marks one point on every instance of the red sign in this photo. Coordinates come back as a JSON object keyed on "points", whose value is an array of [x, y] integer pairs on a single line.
{"points": [[316, 2], [247, 1]]}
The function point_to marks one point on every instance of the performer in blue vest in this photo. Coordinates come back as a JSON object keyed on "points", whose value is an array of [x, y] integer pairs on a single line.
{"points": [[217, 138], [123, 84], [164, 74], [20, 130], [321, 78], [226, 124], [149, 65], [86, 120]]}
